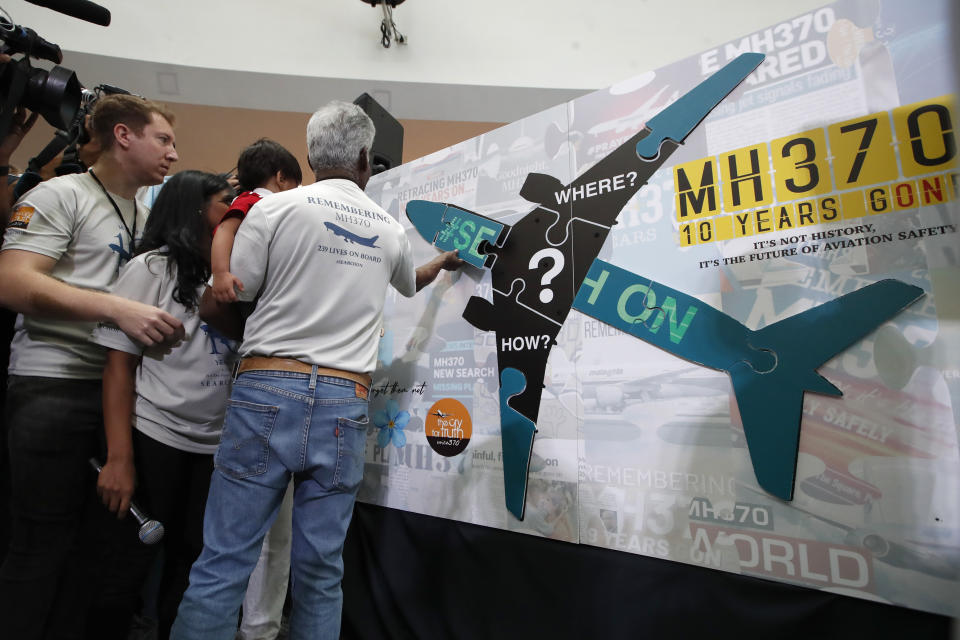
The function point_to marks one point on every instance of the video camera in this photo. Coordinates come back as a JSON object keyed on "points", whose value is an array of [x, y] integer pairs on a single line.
{"points": [[67, 140], [54, 94], [75, 135]]}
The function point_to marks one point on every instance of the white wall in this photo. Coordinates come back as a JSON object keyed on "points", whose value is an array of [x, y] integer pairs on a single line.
{"points": [[516, 44]]}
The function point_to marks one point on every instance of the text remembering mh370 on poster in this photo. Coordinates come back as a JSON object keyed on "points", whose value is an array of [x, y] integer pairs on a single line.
{"points": [[833, 166]]}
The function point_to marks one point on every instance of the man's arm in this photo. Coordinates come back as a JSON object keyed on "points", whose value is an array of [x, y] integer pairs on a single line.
{"points": [[117, 479], [27, 287], [20, 124], [225, 317], [428, 272]]}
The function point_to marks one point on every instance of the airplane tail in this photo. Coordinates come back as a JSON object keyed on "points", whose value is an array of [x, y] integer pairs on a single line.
{"points": [[771, 402]]}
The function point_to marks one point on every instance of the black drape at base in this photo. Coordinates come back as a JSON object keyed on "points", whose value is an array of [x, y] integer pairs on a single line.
{"points": [[415, 576]]}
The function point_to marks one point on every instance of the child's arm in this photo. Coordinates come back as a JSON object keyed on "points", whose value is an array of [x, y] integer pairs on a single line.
{"points": [[117, 480], [225, 317], [224, 281]]}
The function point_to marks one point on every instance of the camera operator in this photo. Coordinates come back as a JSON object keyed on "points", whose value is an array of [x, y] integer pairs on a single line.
{"points": [[64, 245], [19, 127]]}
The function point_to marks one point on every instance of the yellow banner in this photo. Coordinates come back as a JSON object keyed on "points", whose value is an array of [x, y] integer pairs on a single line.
{"points": [[876, 164]]}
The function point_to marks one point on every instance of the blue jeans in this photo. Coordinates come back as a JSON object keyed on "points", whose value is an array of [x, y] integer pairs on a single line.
{"points": [[277, 424]]}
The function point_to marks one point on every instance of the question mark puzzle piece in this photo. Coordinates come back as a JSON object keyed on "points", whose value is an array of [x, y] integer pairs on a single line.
{"points": [[546, 294]]}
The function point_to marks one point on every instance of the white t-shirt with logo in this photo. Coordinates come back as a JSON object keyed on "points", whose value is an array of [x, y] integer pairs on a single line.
{"points": [[182, 390], [71, 220], [318, 259]]}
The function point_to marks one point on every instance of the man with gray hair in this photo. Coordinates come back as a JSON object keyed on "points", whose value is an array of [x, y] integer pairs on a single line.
{"points": [[317, 260]]}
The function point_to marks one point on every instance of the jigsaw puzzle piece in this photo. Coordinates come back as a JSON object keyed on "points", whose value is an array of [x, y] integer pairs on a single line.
{"points": [[427, 218], [472, 234], [480, 313], [663, 316], [542, 189], [516, 433], [544, 271], [680, 118], [549, 194], [599, 195], [450, 227], [523, 341]]}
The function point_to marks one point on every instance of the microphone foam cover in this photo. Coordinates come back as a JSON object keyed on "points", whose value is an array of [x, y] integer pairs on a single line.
{"points": [[151, 532]]}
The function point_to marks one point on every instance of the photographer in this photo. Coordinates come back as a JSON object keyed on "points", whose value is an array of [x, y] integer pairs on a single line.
{"points": [[64, 245], [19, 126]]}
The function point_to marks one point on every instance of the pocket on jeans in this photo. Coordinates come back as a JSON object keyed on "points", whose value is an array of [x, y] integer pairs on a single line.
{"points": [[351, 444], [245, 443]]}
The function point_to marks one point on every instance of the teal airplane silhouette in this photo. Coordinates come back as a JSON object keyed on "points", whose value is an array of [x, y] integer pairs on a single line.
{"points": [[770, 368], [536, 266]]}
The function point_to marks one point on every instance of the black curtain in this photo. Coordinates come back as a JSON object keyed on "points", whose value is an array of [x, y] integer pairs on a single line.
{"points": [[426, 578]]}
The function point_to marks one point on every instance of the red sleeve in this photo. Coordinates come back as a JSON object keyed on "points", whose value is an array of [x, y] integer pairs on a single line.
{"points": [[241, 205]]}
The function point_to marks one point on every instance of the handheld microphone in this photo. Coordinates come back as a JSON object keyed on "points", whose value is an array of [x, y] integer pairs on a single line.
{"points": [[82, 9], [151, 531]]}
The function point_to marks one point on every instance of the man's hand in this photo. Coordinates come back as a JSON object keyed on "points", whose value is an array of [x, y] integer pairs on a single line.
{"points": [[146, 324], [225, 287], [115, 485], [447, 261], [28, 288]]}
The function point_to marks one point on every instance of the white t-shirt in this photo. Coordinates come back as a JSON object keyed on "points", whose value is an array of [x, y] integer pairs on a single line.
{"points": [[318, 259], [70, 219], [181, 391]]}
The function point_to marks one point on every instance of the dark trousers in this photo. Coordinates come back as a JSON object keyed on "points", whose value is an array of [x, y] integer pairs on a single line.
{"points": [[66, 572], [7, 319], [172, 488]]}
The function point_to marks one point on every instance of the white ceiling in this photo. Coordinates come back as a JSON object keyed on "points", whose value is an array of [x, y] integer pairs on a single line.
{"points": [[490, 60]]}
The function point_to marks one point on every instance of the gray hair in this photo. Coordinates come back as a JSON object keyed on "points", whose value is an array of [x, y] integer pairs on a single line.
{"points": [[336, 133]]}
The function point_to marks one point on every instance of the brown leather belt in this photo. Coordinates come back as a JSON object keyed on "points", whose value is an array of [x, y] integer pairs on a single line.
{"points": [[261, 363]]}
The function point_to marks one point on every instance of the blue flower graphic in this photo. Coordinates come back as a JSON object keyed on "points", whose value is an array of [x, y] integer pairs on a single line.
{"points": [[391, 421]]}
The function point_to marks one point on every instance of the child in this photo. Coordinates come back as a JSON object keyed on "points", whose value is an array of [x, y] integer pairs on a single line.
{"points": [[173, 397], [263, 168]]}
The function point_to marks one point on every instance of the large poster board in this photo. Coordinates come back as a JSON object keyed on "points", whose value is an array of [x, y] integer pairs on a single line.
{"points": [[833, 166]]}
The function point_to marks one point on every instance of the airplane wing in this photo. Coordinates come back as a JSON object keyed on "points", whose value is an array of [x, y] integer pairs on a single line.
{"points": [[771, 403], [833, 326]]}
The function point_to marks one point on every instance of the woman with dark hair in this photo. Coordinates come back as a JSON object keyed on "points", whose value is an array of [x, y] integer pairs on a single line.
{"points": [[163, 406]]}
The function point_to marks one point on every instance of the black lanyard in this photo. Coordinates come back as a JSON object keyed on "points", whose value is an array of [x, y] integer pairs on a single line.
{"points": [[132, 234]]}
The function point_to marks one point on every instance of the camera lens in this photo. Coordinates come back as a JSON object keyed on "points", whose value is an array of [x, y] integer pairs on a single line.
{"points": [[55, 95]]}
